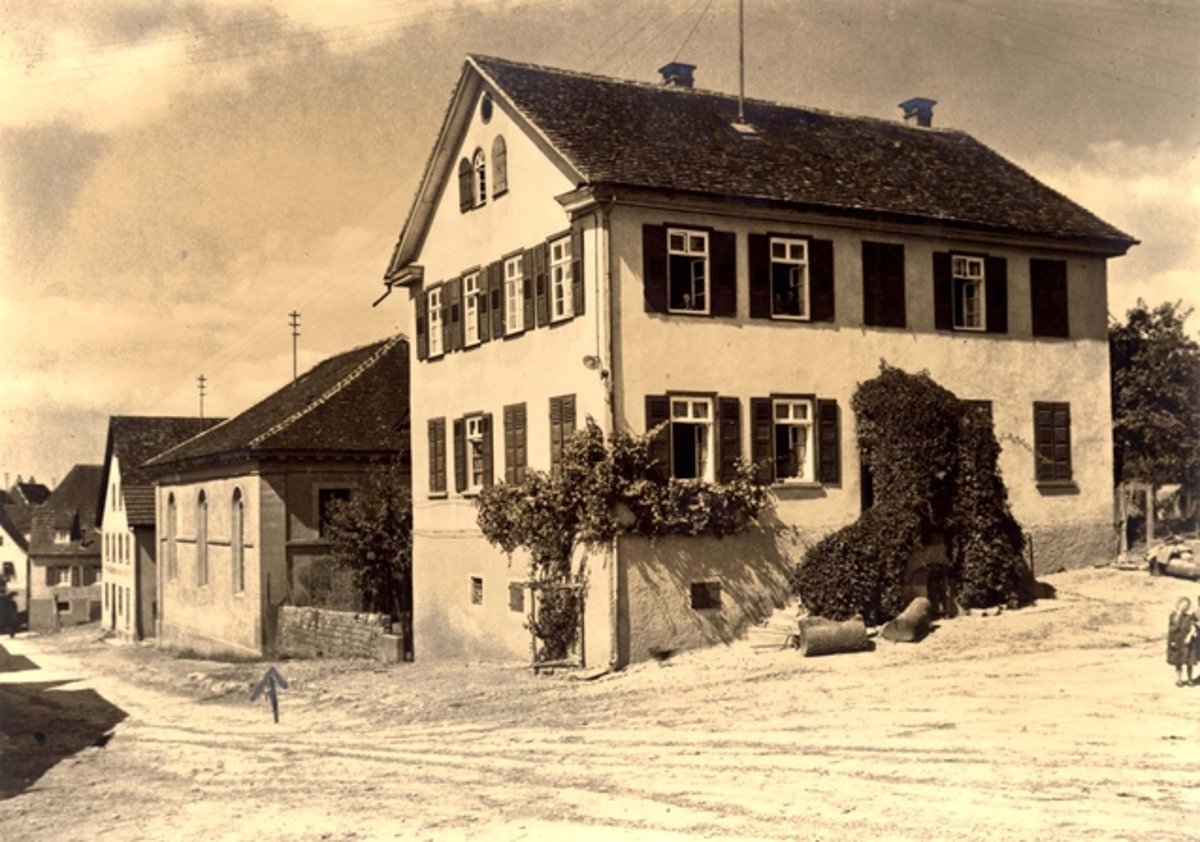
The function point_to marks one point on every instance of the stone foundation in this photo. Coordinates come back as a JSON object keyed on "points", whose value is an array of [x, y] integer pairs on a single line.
{"points": [[315, 632], [1070, 546]]}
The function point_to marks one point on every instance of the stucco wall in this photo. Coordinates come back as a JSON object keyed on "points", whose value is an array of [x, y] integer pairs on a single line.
{"points": [[18, 585], [316, 632]]}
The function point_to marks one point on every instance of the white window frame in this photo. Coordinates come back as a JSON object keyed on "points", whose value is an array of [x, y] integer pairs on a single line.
{"points": [[434, 320], [789, 415], [696, 411], [479, 178], [62, 536], [475, 464], [514, 295], [793, 253], [962, 276], [561, 304], [62, 576], [686, 242], [471, 309]]}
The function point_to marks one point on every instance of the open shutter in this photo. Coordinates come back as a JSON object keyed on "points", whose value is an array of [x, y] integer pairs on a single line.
{"points": [[658, 411], [577, 289], [654, 268], [762, 450], [883, 284], [527, 289], [483, 322], [499, 166], [486, 424], [541, 285], [820, 292], [943, 295], [465, 199], [829, 443], [724, 274], [437, 455], [75, 578], [460, 455], [422, 325], [1062, 442], [894, 303], [759, 254], [454, 294], [514, 443], [729, 414], [995, 292], [495, 274], [51, 579], [556, 431]]}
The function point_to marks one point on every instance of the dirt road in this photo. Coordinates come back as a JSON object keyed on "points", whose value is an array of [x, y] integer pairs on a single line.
{"points": [[1060, 721]]}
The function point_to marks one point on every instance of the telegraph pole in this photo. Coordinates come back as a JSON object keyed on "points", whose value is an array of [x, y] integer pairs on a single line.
{"points": [[295, 323], [741, 63], [201, 381]]}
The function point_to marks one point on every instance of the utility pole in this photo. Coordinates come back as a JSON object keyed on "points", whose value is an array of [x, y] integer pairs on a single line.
{"points": [[295, 323], [201, 381], [741, 63]]}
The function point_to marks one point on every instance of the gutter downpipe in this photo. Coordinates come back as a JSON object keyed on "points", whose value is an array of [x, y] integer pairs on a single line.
{"points": [[604, 229]]}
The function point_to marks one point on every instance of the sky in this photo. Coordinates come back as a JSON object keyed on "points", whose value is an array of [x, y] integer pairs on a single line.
{"points": [[177, 177]]}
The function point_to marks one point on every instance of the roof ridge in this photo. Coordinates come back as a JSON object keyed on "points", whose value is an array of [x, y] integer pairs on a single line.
{"points": [[330, 392]]}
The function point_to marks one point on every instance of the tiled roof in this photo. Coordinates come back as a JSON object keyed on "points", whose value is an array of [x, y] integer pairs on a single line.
{"points": [[355, 402], [634, 134], [73, 506], [133, 440], [33, 493], [14, 532]]}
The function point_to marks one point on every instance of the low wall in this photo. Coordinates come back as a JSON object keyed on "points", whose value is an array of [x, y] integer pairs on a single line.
{"points": [[313, 632]]}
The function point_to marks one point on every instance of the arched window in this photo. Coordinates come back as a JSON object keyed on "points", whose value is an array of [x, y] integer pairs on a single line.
{"points": [[465, 200], [479, 173], [499, 166], [172, 530], [237, 530], [201, 539]]}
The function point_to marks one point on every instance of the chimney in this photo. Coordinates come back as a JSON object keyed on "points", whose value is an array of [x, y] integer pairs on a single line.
{"points": [[918, 111], [677, 74]]}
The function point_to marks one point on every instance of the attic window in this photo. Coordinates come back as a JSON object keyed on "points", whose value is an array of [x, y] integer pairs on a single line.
{"points": [[485, 108], [479, 177], [62, 536]]}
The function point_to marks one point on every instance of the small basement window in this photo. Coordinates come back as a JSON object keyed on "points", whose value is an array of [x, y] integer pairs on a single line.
{"points": [[706, 596], [63, 607], [516, 596], [476, 590]]}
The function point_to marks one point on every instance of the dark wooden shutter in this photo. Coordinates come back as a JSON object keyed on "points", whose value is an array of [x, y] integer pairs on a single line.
{"points": [[762, 434], [51, 579], [486, 424], [658, 410], [499, 166], [577, 288], [541, 283], [723, 283], [483, 322], [460, 455], [654, 268], [943, 292], [1052, 441], [829, 443], [883, 284], [820, 292], [758, 251], [422, 306], [527, 262], [75, 578], [495, 272], [995, 291], [465, 199], [437, 455], [514, 443], [729, 442], [1048, 297]]}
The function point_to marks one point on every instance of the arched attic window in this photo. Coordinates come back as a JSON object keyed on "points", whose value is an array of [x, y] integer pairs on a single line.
{"points": [[465, 199], [479, 177], [499, 166]]}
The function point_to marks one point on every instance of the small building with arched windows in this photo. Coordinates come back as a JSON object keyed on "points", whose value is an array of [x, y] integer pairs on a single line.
{"points": [[242, 507]]}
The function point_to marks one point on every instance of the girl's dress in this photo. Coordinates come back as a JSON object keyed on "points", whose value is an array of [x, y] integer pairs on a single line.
{"points": [[1180, 651]]}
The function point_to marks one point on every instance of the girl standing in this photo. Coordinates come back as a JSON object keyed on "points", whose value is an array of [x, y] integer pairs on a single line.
{"points": [[1180, 652]]}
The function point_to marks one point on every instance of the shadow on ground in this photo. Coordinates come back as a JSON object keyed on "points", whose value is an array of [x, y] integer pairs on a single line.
{"points": [[42, 726]]}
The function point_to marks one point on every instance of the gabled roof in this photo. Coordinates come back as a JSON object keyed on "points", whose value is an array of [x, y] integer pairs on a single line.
{"points": [[15, 533], [629, 134], [355, 403], [33, 493], [72, 506], [133, 440]]}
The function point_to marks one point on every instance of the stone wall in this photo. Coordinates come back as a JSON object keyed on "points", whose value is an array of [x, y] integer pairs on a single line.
{"points": [[313, 632]]}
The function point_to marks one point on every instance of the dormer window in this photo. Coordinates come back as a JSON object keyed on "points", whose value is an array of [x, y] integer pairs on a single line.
{"points": [[479, 177], [62, 536]]}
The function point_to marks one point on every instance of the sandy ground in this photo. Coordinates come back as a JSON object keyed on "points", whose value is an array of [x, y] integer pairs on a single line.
{"points": [[1060, 721]]}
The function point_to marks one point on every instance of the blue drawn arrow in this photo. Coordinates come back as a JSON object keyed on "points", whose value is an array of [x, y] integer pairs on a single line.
{"points": [[268, 683]]}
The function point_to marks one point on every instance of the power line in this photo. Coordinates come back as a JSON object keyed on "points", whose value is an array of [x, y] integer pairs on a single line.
{"points": [[692, 32], [656, 37]]}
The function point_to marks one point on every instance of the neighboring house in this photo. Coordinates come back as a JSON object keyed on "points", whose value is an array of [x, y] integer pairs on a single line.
{"points": [[17, 506], [127, 518], [584, 246], [241, 508], [64, 553]]}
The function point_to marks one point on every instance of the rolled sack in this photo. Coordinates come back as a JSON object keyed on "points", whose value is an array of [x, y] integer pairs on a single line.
{"points": [[831, 638], [911, 625]]}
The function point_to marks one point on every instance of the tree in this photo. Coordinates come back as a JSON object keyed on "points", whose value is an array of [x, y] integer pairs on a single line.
{"points": [[371, 536], [1156, 398]]}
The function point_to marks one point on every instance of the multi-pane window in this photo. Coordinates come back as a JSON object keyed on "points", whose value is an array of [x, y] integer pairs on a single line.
{"points": [[692, 438], [967, 278], [327, 499], [794, 443], [687, 270], [789, 278], [471, 308], [62, 576], [514, 292], [475, 452], [479, 177], [435, 321], [561, 306], [437, 456], [1052, 441], [201, 540], [476, 590], [62, 536]]}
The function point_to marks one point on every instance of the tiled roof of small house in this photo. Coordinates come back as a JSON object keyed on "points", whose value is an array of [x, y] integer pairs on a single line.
{"points": [[634, 134], [353, 403], [10, 528], [135, 439], [32, 492], [72, 506]]}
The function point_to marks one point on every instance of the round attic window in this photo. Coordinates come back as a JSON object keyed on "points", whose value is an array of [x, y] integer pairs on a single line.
{"points": [[485, 108]]}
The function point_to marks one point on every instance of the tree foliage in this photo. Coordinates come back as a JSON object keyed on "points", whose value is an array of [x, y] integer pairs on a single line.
{"points": [[1155, 397], [371, 535]]}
